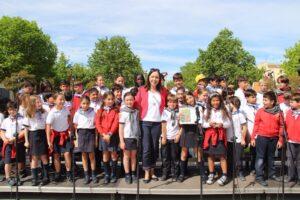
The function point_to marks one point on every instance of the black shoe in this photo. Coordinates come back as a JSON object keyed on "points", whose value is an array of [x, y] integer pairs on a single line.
{"points": [[146, 181], [106, 179], [164, 177], [57, 177], [180, 178], [128, 179], [11, 181], [94, 177], [23, 173], [45, 173], [86, 178], [275, 178], [134, 178], [262, 183], [113, 178], [34, 181], [69, 176]]}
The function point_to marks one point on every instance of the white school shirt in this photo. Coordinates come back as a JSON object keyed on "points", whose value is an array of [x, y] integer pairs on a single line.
{"points": [[240, 94], [102, 90], [174, 90], [260, 99], [124, 119], [153, 112], [58, 119], [96, 105], [172, 130], [1, 118], [217, 117], [38, 122], [249, 112], [84, 119], [284, 108], [22, 111], [9, 126], [238, 119]]}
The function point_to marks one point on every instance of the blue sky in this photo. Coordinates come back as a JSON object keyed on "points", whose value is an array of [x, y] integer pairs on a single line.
{"points": [[165, 33]]}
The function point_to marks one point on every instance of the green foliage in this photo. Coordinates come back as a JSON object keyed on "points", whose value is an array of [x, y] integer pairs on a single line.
{"points": [[224, 56], [112, 57], [23, 46], [61, 69], [189, 71], [292, 60], [15, 80]]}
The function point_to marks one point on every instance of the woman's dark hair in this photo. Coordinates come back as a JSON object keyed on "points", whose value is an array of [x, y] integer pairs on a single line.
{"points": [[128, 94], [85, 98], [148, 85], [11, 105], [136, 77], [44, 85], [68, 95], [221, 107], [116, 87], [271, 96], [235, 101]]}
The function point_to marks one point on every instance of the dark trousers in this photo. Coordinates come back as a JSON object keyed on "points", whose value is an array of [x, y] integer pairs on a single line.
{"points": [[293, 161], [170, 153], [238, 157], [265, 150], [151, 132], [252, 158]]}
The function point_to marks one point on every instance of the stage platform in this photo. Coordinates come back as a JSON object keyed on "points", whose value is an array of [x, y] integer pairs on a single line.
{"points": [[190, 189]]}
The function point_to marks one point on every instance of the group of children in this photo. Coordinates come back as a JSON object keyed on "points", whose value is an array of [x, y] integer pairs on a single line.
{"points": [[106, 121]]}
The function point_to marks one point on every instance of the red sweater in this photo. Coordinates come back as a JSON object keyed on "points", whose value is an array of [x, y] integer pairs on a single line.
{"points": [[141, 100], [107, 122], [292, 127], [267, 125]]}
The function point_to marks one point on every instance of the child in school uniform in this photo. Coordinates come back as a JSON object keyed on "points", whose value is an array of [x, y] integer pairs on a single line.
{"points": [[117, 90], [36, 139], [100, 86], [243, 85], [84, 123], [239, 133], [292, 124], [180, 94], [8, 135], [94, 98], [202, 99], [24, 99], [170, 149], [96, 103], [64, 86], [107, 124], [48, 103], [263, 87], [129, 132], [285, 105], [213, 85], [79, 92], [249, 111], [216, 121], [178, 82], [282, 88], [190, 138], [58, 129], [267, 136]]}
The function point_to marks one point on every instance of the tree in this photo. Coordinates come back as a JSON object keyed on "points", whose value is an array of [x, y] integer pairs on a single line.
{"points": [[112, 57], [14, 82], [292, 60], [24, 46], [189, 71], [224, 56], [61, 69]]}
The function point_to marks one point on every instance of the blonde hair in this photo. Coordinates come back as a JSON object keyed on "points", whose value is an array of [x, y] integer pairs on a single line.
{"points": [[24, 100], [31, 107]]}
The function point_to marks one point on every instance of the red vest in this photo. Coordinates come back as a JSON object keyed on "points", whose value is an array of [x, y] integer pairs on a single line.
{"points": [[292, 127]]}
